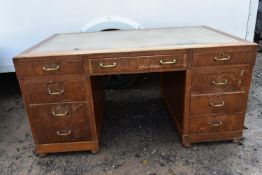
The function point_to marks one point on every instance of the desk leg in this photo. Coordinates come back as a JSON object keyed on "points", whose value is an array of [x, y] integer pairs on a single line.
{"points": [[95, 151]]}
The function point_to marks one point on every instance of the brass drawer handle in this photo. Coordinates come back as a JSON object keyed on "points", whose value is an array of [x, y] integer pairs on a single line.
{"points": [[224, 82], [217, 105], [222, 59], [64, 133], [215, 124], [108, 65], [168, 62], [55, 93], [51, 68], [59, 114]]}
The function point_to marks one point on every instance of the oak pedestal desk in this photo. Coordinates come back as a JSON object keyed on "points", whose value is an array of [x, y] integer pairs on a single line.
{"points": [[205, 80]]}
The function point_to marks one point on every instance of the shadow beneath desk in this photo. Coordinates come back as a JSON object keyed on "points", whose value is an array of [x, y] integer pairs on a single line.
{"points": [[9, 85], [137, 115]]}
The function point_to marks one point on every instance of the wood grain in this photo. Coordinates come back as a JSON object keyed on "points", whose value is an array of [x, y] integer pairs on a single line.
{"points": [[74, 125], [31, 69], [202, 104], [67, 147], [215, 123], [42, 90], [208, 59], [137, 64], [225, 80]]}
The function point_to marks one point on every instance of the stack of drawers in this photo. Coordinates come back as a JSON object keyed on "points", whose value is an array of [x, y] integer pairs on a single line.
{"points": [[219, 92], [55, 93]]}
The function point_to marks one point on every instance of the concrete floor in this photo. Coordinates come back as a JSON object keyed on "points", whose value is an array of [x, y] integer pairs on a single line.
{"points": [[137, 138]]}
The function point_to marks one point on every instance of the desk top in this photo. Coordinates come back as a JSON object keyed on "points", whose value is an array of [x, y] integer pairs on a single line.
{"points": [[132, 40]]}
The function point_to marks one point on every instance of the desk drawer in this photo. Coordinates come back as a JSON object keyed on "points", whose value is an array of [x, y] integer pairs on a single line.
{"points": [[61, 122], [224, 58], [116, 65], [55, 90], [216, 123], [137, 64], [48, 68], [167, 62], [220, 81], [217, 104]]}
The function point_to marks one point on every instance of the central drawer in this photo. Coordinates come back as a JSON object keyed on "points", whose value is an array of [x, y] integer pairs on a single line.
{"points": [[53, 90], [60, 122], [137, 64]]}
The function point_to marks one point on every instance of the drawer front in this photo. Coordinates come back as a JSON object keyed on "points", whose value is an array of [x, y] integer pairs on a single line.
{"points": [[221, 81], [51, 91], [167, 62], [216, 123], [49, 68], [217, 104], [225, 58], [61, 122], [116, 65], [136, 64]]}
